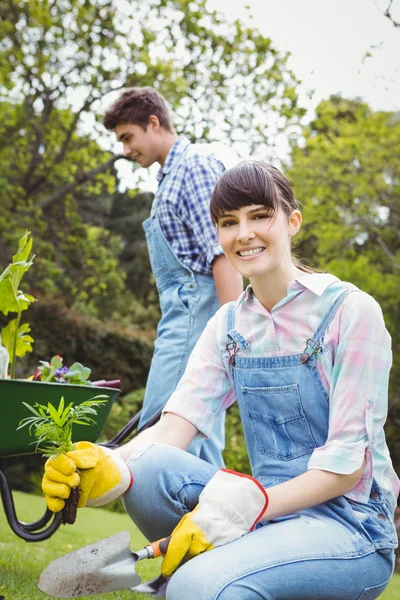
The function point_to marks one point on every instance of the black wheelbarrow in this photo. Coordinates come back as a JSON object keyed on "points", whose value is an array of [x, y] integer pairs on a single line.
{"points": [[19, 443]]}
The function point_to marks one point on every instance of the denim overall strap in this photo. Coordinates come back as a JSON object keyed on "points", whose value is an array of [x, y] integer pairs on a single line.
{"points": [[167, 269], [236, 341], [314, 345]]}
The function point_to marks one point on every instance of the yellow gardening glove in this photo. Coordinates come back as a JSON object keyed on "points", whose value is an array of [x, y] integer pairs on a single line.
{"points": [[100, 474], [229, 506]]}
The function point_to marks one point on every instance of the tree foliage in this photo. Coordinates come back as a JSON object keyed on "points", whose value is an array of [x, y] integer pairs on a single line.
{"points": [[347, 174], [60, 60]]}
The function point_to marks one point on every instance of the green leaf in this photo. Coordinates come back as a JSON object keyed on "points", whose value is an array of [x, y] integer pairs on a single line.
{"points": [[8, 300], [80, 422], [53, 414], [66, 412], [23, 340], [61, 406], [56, 362], [21, 262]]}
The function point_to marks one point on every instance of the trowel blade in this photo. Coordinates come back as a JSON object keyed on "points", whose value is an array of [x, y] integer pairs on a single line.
{"points": [[105, 566]]}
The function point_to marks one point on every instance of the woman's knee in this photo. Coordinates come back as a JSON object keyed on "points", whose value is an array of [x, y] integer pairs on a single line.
{"points": [[161, 464], [172, 479], [146, 462]]}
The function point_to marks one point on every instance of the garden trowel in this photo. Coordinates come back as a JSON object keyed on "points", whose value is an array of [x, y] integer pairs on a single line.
{"points": [[105, 566]]}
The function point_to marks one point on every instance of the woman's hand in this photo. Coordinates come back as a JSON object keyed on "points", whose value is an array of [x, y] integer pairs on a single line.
{"points": [[100, 474], [228, 507]]}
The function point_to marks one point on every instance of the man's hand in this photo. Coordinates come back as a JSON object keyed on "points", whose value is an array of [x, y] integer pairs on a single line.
{"points": [[100, 474], [229, 506]]}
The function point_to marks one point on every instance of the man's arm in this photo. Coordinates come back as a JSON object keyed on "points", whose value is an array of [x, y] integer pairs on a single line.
{"points": [[228, 282]]}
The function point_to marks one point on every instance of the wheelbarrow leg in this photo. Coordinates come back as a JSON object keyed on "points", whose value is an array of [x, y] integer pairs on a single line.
{"points": [[26, 531]]}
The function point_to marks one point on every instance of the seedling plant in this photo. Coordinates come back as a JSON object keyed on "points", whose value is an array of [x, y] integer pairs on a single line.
{"points": [[52, 428]]}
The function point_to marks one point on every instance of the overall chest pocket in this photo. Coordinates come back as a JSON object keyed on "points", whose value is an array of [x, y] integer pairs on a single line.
{"points": [[278, 421]]}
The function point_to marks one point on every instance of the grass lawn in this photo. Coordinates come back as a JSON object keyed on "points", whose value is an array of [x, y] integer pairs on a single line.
{"points": [[21, 563]]}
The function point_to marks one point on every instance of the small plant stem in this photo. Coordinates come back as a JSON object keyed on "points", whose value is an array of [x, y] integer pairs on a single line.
{"points": [[14, 356]]}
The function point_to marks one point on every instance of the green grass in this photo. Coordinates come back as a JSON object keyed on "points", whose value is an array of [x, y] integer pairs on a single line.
{"points": [[392, 591], [21, 563]]}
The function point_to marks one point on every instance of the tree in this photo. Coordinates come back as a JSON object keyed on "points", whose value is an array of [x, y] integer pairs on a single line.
{"points": [[347, 174], [58, 62], [74, 259]]}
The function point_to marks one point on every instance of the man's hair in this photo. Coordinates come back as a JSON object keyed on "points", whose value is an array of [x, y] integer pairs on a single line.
{"points": [[135, 105]]}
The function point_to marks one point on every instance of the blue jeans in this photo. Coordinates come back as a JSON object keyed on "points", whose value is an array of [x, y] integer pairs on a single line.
{"points": [[315, 554]]}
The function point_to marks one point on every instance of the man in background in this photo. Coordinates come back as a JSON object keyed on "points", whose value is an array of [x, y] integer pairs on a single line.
{"points": [[192, 275]]}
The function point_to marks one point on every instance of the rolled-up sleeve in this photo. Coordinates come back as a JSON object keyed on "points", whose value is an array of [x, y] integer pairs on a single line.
{"points": [[204, 390], [202, 173], [358, 394]]}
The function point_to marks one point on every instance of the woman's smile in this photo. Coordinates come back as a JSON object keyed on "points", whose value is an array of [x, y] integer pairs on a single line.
{"points": [[250, 253]]}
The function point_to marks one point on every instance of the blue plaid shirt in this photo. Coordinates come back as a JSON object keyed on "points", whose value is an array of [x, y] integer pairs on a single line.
{"points": [[183, 208]]}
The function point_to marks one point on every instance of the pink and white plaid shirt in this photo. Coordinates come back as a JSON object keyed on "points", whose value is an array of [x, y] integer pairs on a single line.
{"points": [[354, 370]]}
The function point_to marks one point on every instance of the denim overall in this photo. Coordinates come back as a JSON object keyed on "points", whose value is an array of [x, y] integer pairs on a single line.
{"points": [[339, 550], [187, 301]]}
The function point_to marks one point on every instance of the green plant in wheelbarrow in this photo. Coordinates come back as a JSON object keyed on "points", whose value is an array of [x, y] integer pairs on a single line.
{"points": [[51, 380], [15, 340], [55, 371]]}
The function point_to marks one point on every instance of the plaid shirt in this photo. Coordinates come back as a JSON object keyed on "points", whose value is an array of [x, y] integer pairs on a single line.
{"points": [[354, 369], [183, 208]]}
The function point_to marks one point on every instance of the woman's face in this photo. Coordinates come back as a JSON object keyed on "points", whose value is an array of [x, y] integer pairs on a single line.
{"points": [[256, 240]]}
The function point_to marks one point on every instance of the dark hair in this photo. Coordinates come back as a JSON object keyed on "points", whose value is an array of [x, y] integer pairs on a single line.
{"points": [[254, 182], [135, 105]]}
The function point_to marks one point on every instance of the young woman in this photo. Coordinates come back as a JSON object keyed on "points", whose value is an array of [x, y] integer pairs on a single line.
{"points": [[307, 357]]}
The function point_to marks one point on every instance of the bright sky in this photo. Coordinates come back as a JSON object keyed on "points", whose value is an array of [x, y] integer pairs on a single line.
{"points": [[329, 42]]}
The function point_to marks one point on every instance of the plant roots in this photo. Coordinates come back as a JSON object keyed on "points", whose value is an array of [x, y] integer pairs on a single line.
{"points": [[68, 513]]}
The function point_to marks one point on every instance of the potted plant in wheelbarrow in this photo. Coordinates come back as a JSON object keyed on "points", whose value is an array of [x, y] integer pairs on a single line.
{"points": [[51, 381]]}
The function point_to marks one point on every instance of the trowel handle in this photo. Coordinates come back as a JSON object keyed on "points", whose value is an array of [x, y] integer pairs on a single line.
{"points": [[159, 547]]}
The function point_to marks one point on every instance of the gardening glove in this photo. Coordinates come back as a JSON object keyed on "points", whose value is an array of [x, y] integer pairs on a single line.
{"points": [[100, 474], [229, 506]]}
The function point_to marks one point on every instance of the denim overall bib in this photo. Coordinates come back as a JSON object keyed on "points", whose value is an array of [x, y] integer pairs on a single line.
{"points": [[187, 301], [284, 409]]}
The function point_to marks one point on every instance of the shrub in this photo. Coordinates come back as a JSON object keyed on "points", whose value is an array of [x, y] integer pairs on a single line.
{"points": [[110, 351]]}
